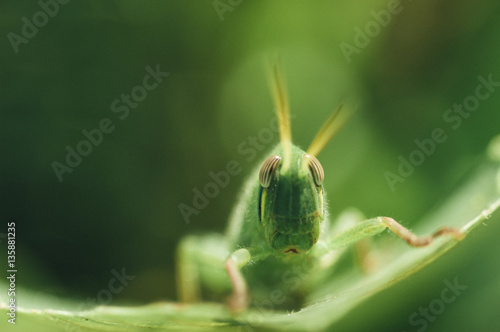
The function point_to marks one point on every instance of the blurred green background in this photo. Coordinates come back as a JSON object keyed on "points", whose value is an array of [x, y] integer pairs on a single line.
{"points": [[119, 207]]}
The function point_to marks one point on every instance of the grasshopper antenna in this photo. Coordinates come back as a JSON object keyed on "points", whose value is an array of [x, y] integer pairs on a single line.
{"points": [[330, 128], [280, 98]]}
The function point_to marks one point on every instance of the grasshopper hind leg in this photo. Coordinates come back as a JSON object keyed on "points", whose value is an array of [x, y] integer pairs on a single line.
{"points": [[200, 268]]}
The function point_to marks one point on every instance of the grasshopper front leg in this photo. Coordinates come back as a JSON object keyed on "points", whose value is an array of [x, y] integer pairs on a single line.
{"points": [[239, 299], [414, 240], [377, 225]]}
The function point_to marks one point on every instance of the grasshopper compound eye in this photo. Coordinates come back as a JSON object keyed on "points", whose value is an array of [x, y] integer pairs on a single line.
{"points": [[316, 169], [267, 170]]}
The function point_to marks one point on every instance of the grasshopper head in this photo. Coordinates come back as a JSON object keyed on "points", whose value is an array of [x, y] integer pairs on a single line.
{"points": [[291, 205]]}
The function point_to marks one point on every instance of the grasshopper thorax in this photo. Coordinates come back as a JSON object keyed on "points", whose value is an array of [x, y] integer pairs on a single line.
{"points": [[291, 202]]}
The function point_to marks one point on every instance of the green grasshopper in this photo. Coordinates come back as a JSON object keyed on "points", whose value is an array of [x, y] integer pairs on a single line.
{"points": [[279, 223]]}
